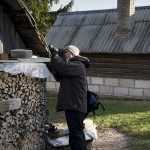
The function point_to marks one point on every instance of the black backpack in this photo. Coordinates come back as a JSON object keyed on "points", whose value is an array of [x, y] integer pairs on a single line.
{"points": [[93, 102]]}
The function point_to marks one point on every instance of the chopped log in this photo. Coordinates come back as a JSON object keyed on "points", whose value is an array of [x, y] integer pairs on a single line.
{"points": [[22, 124], [3, 56], [10, 104]]}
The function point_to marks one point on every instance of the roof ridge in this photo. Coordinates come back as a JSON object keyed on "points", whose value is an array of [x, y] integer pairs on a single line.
{"points": [[89, 11], [98, 11]]}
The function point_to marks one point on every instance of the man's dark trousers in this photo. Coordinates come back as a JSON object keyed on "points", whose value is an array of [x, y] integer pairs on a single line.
{"points": [[75, 125]]}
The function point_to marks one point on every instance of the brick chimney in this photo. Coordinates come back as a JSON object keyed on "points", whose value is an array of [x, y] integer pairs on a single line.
{"points": [[125, 18]]}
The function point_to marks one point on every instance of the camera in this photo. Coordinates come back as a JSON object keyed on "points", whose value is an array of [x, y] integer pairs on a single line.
{"points": [[55, 50]]}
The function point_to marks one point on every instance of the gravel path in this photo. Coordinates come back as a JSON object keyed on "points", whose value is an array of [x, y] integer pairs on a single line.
{"points": [[110, 139]]}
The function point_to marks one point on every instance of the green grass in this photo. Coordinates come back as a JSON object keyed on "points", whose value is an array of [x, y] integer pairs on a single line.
{"points": [[130, 117], [54, 117]]}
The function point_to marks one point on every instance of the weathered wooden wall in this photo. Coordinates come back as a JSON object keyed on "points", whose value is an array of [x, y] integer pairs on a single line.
{"points": [[9, 38], [22, 128], [135, 66]]}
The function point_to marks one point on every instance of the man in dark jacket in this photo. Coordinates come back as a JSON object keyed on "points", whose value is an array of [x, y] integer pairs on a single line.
{"points": [[72, 97]]}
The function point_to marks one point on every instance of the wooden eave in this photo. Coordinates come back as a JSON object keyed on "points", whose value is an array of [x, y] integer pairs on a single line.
{"points": [[26, 26]]}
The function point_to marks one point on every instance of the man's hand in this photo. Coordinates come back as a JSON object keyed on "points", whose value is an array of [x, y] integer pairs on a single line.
{"points": [[53, 50]]}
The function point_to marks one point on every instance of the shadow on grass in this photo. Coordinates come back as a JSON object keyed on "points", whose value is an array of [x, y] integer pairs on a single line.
{"points": [[141, 144], [122, 106]]}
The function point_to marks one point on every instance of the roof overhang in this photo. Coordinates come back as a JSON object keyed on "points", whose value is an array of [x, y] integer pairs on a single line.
{"points": [[26, 26]]}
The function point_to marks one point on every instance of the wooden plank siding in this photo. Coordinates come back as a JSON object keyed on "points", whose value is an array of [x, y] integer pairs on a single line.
{"points": [[8, 34], [1, 29], [119, 65]]}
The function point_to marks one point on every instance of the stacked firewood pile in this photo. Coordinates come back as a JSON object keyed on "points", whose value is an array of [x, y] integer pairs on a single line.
{"points": [[22, 126]]}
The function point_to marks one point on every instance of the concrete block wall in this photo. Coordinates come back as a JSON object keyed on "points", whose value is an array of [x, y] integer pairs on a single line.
{"points": [[122, 88], [52, 85], [112, 87]]}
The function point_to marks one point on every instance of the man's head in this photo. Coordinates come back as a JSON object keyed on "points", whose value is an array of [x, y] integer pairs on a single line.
{"points": [[71, 51]]}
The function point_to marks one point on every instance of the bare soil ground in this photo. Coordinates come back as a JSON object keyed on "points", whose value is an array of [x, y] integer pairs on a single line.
{"points": [[110, 139]]}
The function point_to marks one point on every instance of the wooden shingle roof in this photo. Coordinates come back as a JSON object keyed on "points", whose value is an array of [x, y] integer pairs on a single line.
{"points": [[95, 32], [26, 26]]}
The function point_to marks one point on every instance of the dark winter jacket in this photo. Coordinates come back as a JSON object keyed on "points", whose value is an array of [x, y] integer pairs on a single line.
{"points": [[73, 83]]}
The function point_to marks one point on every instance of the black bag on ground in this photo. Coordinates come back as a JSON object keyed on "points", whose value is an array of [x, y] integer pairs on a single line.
{"points": [[93, 102]]}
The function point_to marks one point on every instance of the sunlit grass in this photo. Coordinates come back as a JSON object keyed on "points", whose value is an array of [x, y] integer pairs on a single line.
{"points": [[130, 117], [134, 123]]}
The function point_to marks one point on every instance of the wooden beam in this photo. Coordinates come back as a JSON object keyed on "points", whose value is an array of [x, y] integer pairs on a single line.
{"points": [[3, 56], [30, 60], [10, 104]]}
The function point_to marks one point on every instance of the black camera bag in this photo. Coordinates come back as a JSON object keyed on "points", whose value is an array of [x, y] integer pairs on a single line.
{"points": [[93, 102]]}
